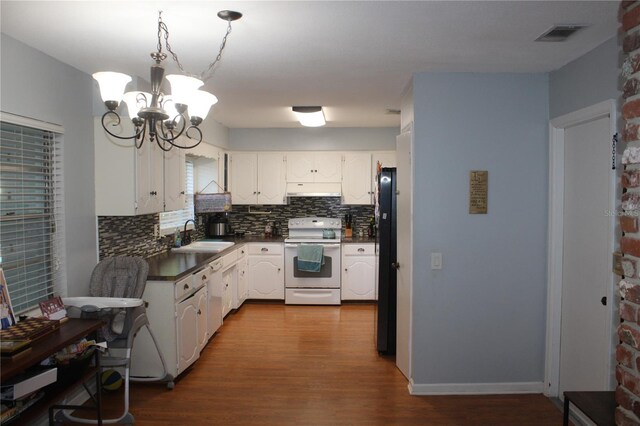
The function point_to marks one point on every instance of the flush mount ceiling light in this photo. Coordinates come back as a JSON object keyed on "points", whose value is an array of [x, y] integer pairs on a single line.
{"points": [[163, 116], [310, 116]]}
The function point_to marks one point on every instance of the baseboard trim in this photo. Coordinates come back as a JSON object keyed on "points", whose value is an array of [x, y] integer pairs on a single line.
{"points": [[474, 388]]}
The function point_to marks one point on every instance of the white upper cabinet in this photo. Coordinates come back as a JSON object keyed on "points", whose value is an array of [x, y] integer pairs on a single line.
{"points": [[174, 180], [272, 183], [257, 178], [356, 178], [314, 167], [244, 178]]}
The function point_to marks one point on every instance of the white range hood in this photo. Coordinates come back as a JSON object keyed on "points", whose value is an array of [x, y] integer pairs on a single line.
{"points": [[309, 189]]}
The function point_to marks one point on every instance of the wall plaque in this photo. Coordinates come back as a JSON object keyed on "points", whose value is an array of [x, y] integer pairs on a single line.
{"points": [[478, 191], [212, 203]]}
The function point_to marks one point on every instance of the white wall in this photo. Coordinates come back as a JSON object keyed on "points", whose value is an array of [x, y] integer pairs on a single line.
{"points": [[38, 86], [314, 139], [481, 319]]}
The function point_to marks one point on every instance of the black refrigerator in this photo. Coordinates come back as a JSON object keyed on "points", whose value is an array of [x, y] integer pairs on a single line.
{"points": [[386, 248]]}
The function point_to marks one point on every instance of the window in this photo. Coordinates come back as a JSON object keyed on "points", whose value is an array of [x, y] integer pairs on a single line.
{"points": [[31, 210], [169, 221]]}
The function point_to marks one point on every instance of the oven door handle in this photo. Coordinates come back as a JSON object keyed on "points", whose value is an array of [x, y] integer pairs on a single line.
{"points": [[294, 245]]}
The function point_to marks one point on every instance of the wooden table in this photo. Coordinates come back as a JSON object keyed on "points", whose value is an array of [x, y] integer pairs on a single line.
{"points": [[69, 332], [600, 407]]}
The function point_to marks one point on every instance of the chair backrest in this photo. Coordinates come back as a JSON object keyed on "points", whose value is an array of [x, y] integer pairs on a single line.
{"points": [[120, 276]]}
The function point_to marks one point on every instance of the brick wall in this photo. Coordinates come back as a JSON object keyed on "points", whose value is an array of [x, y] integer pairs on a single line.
{"points": [[628, 351]]}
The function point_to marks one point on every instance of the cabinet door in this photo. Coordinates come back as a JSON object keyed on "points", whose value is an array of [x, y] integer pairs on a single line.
{"points": [[149, 179], [174, 180], [358, 278], [356, 179], [300, 167], [188, 350], [272, 182], [244, 176], [227, 290], [243, 290], [202, 311], [328, 167], [266, 277]]}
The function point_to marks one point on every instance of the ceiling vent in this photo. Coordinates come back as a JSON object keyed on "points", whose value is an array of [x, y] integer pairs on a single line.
{"points": [[560, 32], [391, 111]]}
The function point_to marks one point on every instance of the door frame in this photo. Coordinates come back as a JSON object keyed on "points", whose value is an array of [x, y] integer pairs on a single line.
{"points": [[555, 241]]}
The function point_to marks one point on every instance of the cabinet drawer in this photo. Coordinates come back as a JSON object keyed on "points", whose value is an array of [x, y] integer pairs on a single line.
{"points": [[200, 278], [229, 259], [358, 249], [184, 286], [265, 249]]}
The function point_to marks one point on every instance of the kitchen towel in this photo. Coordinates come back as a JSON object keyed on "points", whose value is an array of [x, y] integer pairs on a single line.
{"points": [[310, 257]]}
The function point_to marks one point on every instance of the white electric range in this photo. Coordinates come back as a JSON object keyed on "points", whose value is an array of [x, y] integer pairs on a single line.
{"points": [[313, 288]]}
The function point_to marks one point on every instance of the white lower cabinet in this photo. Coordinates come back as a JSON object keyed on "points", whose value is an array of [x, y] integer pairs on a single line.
{"points": [[266, 271], [215, 297], [358, 272], [229, 282], [177, 313], [243, 282]]}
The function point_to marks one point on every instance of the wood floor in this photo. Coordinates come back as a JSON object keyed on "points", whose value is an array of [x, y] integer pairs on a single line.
{"points": [[272, 364]]}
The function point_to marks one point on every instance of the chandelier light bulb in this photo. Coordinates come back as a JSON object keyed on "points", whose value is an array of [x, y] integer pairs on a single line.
{"points": [[112, 85], [182, 87], [200, 103]]}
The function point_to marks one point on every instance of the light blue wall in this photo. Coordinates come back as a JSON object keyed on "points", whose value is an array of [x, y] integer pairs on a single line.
{"points": [[36, 85], [318, 139], [592, 78], [481, 319]]}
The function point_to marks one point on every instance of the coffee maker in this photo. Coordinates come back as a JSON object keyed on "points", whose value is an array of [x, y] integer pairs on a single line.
{"points": [[218, 226]]}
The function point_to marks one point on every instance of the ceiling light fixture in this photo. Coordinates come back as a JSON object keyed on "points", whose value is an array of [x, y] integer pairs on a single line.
{"points": [[310, 116], [164, 117]]}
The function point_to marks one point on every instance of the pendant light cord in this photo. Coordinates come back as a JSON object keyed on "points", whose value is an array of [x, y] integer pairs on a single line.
{"points": [[204, 75]]}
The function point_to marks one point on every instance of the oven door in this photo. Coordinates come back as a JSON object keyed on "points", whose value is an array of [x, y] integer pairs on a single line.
{"points": [[328, 277]]}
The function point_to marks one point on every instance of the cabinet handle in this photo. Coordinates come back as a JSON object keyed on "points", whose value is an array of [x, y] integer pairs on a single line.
{"points": [[199, 312], [264, 249], [255, 192], [204, 278], [186, 287], [315, 171], [181, 192], [311, 170], [153, 193], [346, 270], [278, 269], [259, 192], [360, 250]]}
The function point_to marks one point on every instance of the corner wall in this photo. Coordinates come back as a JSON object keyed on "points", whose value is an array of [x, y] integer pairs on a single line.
{"points": [[480, 320]]}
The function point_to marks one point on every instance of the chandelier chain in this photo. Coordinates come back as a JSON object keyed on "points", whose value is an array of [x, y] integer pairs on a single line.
{"points": [[204, 75]]}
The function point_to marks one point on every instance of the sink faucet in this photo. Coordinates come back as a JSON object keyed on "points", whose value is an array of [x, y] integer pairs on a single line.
{"points": [[184, 233]]}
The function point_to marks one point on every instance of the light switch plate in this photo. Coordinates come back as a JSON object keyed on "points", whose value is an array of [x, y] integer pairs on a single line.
{"points": [[436, 260]]}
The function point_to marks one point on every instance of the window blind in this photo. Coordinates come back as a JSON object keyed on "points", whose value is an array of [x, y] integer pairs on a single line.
{"points": [[169, 221], [31, 212]]}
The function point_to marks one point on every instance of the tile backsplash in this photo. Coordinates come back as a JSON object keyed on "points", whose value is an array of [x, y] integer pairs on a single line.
{"points": [[133, 235]]}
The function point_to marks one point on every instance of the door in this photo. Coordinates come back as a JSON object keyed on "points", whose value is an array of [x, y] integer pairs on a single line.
{"points": [[328, 167], [244, 178], [404, 175], [149, 179], [272, 183], [300, 167], [188, 350], [358, 278], [265, 277], [587, 238], [174, 180], [356, 178], [202, 311]]}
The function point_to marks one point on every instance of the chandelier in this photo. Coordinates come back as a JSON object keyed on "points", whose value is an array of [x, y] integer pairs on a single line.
{"points": [[164, 117]]}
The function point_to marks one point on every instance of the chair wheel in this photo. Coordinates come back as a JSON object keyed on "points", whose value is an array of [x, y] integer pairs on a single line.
{"points": [[171, 385]]}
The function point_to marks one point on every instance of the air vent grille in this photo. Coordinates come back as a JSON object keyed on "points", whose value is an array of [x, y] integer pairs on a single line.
{"points": [[560, 32]]}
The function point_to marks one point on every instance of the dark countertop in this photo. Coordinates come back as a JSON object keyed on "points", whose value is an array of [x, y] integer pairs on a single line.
{"points": [[172, 266]]}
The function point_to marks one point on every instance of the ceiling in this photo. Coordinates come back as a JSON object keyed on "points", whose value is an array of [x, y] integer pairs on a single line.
{"points": [[353, 58]]}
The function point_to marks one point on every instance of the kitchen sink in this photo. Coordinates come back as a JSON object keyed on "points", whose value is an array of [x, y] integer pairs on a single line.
{"points": [[204, 247]]}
